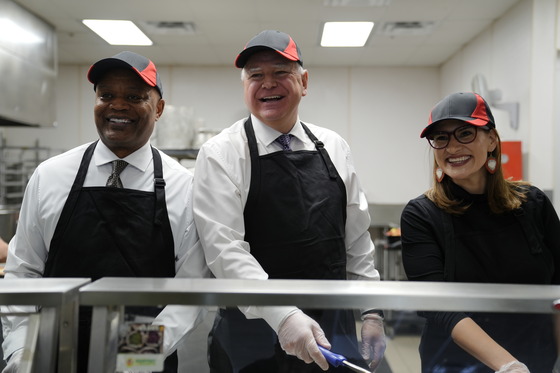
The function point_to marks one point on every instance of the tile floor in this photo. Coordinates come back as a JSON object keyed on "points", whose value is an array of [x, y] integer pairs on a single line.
{"points": [[402, 354]]}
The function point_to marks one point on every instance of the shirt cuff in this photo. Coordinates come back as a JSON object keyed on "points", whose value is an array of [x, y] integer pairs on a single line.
{"points": [[373, 310], [274, 316], [14, 341]]}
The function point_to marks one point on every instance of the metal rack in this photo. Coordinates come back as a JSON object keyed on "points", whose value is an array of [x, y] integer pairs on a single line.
{"points": [[16, 166]]}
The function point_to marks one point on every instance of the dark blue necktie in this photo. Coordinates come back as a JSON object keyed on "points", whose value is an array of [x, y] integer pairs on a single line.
{"points": [[284, 140]]}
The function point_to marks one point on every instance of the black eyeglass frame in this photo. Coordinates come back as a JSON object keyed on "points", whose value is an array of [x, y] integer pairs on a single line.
{"points": [[454, 133]]}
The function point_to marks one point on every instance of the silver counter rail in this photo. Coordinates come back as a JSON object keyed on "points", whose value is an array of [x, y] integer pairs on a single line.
{"points": [[54, 325], [108, 296]]}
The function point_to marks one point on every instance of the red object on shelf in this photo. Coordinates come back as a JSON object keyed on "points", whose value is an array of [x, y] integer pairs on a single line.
{"points": [[512, 160]]}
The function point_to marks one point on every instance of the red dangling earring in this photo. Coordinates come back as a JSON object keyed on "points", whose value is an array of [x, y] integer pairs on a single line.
{"points": [[491, 164], [439, 174]]}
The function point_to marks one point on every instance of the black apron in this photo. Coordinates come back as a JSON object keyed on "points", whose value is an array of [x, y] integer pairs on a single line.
{"points": [[112, 232], [295, 219]]}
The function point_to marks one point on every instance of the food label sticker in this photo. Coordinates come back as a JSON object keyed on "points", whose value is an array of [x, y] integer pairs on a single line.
{"points": [[140, 348]]}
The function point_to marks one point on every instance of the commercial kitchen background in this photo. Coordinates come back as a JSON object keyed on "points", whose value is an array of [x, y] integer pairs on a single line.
{"points": [[378, 110]]}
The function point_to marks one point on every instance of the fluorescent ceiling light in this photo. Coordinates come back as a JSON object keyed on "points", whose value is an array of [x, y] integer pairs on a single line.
{"points": [[345, 34], [117, 32], [14, 33]]}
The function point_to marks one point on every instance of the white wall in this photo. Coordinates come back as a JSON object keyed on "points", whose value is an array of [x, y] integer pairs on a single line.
{"points": [[390, 107], [379, 111], [502, 54], [517, 55]]}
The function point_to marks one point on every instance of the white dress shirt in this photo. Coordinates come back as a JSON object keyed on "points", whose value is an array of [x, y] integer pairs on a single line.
{"points": [[221, 186], [44, 199]]}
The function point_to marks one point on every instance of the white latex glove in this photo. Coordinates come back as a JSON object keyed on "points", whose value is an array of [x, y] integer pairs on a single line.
{"points": [[556, 368], [514, 367], [14, 362], [299, 335], [373, 340]]}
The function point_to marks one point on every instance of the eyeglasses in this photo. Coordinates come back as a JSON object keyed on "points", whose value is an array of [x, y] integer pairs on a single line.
{"points": [[465, 135]]}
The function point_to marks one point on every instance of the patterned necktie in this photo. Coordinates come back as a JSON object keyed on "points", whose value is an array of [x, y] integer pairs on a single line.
{"points": [[114, 179], [284, 140]]}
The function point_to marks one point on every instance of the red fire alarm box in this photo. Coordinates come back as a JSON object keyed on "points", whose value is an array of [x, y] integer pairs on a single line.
{"points": [[512, 160]]}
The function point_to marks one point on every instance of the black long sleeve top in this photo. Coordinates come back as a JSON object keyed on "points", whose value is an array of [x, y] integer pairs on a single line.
{"points": [[521, 247]]}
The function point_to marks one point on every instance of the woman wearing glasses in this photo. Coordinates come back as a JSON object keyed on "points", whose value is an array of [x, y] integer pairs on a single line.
{"points": [[473, 225]]}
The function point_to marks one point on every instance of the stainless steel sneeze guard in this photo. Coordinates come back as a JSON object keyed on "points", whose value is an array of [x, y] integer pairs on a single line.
{"points": [[54, 326], [396, 295], [45, 292], [108, 296], [59, 299]]}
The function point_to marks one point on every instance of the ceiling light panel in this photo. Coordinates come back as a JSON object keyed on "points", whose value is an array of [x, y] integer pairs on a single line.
{"points": [[118, 32], [345, 34]]}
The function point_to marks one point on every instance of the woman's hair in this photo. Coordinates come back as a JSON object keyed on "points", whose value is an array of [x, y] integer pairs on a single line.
{"points": [[503, 195]]}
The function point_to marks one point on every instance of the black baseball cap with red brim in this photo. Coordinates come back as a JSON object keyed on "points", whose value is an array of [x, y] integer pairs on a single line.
{"points": [[277, 41], [141, 65], [469, 107]]}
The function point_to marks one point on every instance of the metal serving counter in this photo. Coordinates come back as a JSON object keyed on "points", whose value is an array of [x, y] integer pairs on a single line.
{"points": [[110, 295], [54, 325], [401, 295]]}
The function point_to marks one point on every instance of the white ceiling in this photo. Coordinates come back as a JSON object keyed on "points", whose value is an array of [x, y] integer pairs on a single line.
{"points": [[222, 27]]}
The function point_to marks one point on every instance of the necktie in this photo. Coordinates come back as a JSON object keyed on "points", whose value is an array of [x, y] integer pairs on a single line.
{"points": [[114, 179], [284, 140]]}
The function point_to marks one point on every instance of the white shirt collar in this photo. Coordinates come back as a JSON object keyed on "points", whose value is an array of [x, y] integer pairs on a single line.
{"points": [[267, 134], [139, 159]]}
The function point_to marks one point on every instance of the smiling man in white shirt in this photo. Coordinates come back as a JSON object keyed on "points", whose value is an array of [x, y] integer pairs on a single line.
{"points": [[278, 198], [74, 222]]}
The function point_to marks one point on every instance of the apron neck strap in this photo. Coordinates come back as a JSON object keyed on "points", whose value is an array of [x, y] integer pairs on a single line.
{"points": [[322, 151]]}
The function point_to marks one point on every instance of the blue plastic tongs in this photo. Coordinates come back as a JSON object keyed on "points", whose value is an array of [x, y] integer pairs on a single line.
{"points": [[337, 360]]}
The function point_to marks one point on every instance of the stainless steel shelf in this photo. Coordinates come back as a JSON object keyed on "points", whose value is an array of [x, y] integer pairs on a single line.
{"points": [[59, 298], [396, 295], [108, 296], [53, 327], [46, 292]]}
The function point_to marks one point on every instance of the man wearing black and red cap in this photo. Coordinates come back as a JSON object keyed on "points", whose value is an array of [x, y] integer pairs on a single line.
{"points": [[116, 207], [278, 198]]}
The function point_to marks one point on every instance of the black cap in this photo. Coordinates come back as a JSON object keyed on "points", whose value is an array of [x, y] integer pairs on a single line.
{"points": [[469, 107], [273, 40], [141, 65]]}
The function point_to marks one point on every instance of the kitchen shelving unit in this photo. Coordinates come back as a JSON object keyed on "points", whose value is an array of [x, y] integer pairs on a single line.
{"points": [[16, 166]]}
